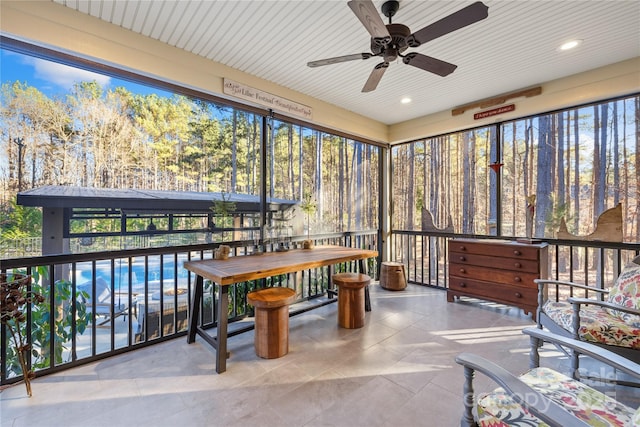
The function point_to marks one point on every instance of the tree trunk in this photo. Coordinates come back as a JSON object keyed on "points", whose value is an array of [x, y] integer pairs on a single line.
{"points": [[494, 177], [357, 188], [290, 163], [318, 171], [234, 153], [543, 183], [409, 209]]}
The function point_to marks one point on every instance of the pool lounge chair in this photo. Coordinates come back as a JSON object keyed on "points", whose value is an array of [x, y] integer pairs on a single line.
{"points": [[105, 306]]}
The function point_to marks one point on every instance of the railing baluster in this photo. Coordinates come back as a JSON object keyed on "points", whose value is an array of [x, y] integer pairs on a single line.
{"points": [[609, 257], [426, 248]]}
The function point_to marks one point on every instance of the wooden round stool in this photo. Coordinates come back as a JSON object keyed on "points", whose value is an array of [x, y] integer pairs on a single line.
{"points": [[351, 298], [392, 276], [272, 320]]}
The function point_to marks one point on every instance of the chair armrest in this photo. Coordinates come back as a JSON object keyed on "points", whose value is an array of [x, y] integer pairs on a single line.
{"points": [[603, 355], [603, 304], [543, 282], [535, 402]]}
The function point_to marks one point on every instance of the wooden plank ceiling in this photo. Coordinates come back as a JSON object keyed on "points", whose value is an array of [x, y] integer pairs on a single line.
{"points": [[514, 48]]}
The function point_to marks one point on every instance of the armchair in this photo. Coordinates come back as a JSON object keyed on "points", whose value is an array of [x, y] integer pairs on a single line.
{"points": [[613, 324], [543, 396]]}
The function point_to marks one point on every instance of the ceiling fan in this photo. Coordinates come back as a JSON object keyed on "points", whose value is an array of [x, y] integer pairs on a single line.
{"points": [[391, 40]]}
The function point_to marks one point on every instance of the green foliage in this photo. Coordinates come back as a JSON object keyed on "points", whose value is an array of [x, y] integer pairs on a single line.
{"points": [[62, 322], [420, 202], [224, 208], [555, 215], [238, 298], [19, 221], [15, 295], [46, 326], [308, 206]]}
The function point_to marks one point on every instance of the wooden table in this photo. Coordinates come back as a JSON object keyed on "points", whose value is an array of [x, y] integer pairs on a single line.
{"points": [[252, 267]]}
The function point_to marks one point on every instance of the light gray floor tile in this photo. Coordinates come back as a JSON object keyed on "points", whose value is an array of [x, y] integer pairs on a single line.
{"points": [[398, 369]]}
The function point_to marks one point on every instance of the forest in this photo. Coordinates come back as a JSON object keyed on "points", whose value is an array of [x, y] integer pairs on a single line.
{"points": [[113, 138], [577, 162]]}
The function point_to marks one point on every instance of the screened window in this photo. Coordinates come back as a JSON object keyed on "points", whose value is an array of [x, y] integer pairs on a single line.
{"points": [[446, 181], [93, 130], [577, 163]]}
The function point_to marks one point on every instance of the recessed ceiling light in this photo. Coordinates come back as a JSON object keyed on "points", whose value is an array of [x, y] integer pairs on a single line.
{"points": [[405, 100], [570, 44]]}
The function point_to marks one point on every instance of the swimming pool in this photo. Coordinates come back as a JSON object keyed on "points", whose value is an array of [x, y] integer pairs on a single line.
{"points": [[135, 275]]}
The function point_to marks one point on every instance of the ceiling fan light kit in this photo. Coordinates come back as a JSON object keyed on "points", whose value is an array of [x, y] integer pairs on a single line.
{"points": [[391, 41]]}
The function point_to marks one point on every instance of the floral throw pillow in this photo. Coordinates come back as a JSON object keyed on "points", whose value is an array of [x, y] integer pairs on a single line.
{"points": [[626, 292]]}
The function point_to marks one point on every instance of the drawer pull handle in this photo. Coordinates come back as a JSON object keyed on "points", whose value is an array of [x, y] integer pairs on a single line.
{"points": [[463, 248], [517, 253], [518, 295], [517, 279], [462, 258], [518, 265], [463, 285], [462, 270]]}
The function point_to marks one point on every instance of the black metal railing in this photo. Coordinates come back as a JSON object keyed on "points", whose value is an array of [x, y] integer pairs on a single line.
{"points": [[100, 304], [593, 263]]}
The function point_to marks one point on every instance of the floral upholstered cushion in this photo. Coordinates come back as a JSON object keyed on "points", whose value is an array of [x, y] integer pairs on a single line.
{"points": [[596, 324], [626, 293], [498, 409]]}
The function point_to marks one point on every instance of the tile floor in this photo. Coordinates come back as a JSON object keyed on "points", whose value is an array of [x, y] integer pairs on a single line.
{"points": [[398, 370]]}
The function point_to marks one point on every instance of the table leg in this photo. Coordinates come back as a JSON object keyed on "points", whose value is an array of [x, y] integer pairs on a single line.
{"points": [[331, 292], [195, 310], [221, 339], [367, 299]]}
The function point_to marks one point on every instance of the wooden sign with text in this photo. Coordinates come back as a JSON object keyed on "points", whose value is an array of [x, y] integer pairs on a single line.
{"points": [[494, 112], [266, 99]]}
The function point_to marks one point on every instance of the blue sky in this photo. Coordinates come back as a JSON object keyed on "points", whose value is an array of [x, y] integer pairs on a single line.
{"points": [[54, 79]]}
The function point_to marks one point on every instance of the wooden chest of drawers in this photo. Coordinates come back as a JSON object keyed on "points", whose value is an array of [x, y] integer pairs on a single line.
{"points": [[497, 270]]}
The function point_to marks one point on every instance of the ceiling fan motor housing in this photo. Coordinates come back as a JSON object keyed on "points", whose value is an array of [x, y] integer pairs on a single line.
{"points": [[399, 34]]}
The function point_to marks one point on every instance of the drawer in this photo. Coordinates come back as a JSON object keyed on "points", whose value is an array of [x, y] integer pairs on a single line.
{"points": [[494, 291], [495, 249], [517, 264], [518, 278]]}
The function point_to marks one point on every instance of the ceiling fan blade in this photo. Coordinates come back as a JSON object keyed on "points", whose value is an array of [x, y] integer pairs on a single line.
{"points": [[366, 12], [430, 64], [466, 16], [375, 76], [338, 59]]}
